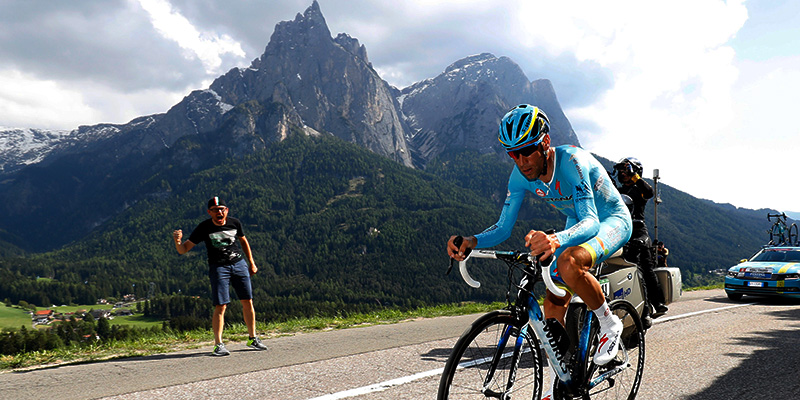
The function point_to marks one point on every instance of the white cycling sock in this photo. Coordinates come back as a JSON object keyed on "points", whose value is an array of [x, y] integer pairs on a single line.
{"points": [[603, 314]]}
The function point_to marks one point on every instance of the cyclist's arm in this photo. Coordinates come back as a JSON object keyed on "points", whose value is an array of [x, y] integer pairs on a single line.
{"points": [[501, 230]]}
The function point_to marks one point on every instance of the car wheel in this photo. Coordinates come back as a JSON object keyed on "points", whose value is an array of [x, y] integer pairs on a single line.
{"points": [[734, 296]]}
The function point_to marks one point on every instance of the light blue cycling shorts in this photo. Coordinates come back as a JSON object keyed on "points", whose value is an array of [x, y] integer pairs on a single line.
{"points": [[613, 234]]}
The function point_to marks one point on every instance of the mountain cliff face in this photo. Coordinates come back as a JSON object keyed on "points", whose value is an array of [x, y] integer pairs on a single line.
{"points": [[327, 83], [21, 147], [462, 107], [306, 80]]}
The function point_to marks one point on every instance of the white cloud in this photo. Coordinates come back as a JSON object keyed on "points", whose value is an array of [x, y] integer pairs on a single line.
{"points": [[680, 99], [661, 81], [206, 46], [28, 102]]}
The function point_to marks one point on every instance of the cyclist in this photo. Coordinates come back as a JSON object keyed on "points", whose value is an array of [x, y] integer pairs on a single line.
{"points": [[639, 248], [573, 181]]}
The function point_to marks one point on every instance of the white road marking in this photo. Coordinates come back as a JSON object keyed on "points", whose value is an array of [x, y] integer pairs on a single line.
{"points": [[378, 387], [692, 314]]}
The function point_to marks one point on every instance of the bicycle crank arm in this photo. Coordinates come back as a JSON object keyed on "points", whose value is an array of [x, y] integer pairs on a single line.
{"points": [[608, 375]]}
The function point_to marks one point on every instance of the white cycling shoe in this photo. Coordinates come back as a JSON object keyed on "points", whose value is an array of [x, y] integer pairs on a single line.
{"points": [[608, 345]]}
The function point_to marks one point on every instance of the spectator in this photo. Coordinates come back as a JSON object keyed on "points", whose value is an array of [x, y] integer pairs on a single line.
{"points": [[227, 266]]}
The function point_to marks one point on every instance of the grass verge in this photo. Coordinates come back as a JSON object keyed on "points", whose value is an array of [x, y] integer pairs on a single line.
{"points": [[166, 342]]}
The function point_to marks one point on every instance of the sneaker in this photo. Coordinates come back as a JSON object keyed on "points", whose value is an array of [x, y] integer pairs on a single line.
{"points": [[255, 343], [608, 345], [220, 350], [661, 309]]}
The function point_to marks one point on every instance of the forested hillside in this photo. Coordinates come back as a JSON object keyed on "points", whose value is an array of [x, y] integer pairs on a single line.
{"points": [[336, 229]]}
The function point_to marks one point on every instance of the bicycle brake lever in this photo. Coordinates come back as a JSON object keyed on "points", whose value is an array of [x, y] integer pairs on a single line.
{"points": [[457, 242], [548, 260]]}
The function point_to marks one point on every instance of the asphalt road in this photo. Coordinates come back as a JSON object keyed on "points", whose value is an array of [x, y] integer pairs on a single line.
{"points": [[706, 347]]}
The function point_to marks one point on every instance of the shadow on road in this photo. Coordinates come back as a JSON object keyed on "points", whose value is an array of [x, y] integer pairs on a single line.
{"points": [[765, 300], [154, 357], [770, 372]]}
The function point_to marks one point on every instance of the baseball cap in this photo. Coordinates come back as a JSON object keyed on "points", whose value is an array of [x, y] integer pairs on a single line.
{"points": [[216, 202]]}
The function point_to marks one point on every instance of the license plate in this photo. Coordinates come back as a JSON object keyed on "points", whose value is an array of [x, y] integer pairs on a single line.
{"points": [[755, 284], [606, 286]]}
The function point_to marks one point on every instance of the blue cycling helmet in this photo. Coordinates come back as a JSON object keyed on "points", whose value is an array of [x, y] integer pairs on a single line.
{"points": [[523, 126]]}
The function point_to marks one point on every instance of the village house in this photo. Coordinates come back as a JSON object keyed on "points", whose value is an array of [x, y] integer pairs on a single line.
{"points": [[97, 314], [42, 317]]}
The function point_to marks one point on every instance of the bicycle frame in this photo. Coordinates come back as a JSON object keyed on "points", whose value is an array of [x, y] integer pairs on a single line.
{"points": [[527, 308]]}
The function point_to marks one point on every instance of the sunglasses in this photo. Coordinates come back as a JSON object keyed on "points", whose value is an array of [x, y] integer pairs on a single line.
{"points": [[525, 151]]}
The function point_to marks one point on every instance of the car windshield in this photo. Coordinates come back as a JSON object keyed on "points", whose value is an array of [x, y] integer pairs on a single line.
{"points": [[779, 255]]}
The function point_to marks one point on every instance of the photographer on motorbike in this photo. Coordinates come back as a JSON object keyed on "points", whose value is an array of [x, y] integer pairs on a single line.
{"points": [[639, 248]]}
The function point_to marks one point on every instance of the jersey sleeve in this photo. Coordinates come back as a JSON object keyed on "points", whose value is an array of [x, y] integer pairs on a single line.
{"points": [[501, 230], [586, 223]]}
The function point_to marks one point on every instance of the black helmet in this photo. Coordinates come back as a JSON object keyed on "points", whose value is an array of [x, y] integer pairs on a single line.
{"points": [[630, 165]]}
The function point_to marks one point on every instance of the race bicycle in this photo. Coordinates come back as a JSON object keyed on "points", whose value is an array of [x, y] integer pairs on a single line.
{"points": [[780, 233], [501, 355]]}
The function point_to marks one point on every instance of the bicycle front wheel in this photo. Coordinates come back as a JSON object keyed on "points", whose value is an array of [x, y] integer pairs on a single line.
{"points": [[485, 363], [624, 373]]}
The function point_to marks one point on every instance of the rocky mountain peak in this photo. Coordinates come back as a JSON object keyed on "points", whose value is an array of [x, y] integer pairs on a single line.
{"points": [[308, 28], [462, 106], [352, 46]]}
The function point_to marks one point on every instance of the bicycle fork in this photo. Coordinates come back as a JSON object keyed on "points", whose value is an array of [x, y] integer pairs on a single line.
{"points": [[499, 354]]}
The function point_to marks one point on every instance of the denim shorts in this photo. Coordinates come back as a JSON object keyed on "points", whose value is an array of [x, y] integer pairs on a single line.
{"points": [[223, 276]]}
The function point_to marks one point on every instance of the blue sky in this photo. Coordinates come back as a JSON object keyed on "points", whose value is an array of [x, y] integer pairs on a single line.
{"points": [[704, 90]]}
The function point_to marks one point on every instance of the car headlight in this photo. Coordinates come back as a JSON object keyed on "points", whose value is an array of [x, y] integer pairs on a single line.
{"points": [[732, 274], [791, 276]]}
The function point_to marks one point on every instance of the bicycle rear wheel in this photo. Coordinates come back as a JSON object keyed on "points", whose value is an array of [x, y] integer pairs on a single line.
{"points": [[478, 368], [792, 235], [629, 363]]}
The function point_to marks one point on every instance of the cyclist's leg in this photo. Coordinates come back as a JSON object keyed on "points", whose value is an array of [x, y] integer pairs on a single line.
{"points": [[574, 264], [573, 267], [556, 307]]}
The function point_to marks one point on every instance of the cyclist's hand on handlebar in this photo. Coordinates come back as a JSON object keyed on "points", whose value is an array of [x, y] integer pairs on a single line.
{"points": [[541, 243], [459, 253]]}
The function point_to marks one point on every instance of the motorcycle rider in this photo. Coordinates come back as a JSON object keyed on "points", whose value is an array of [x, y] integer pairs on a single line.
{"points": [[639, 248]]}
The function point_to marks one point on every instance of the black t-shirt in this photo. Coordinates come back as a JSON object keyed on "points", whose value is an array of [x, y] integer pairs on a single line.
{"points": [[221, 241]]}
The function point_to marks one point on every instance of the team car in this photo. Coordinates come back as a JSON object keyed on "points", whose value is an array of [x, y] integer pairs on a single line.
{"points": [[773, 271]]}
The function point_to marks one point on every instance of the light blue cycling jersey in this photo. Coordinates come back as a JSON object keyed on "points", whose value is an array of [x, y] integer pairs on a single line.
{"points": [[582, 190]]}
